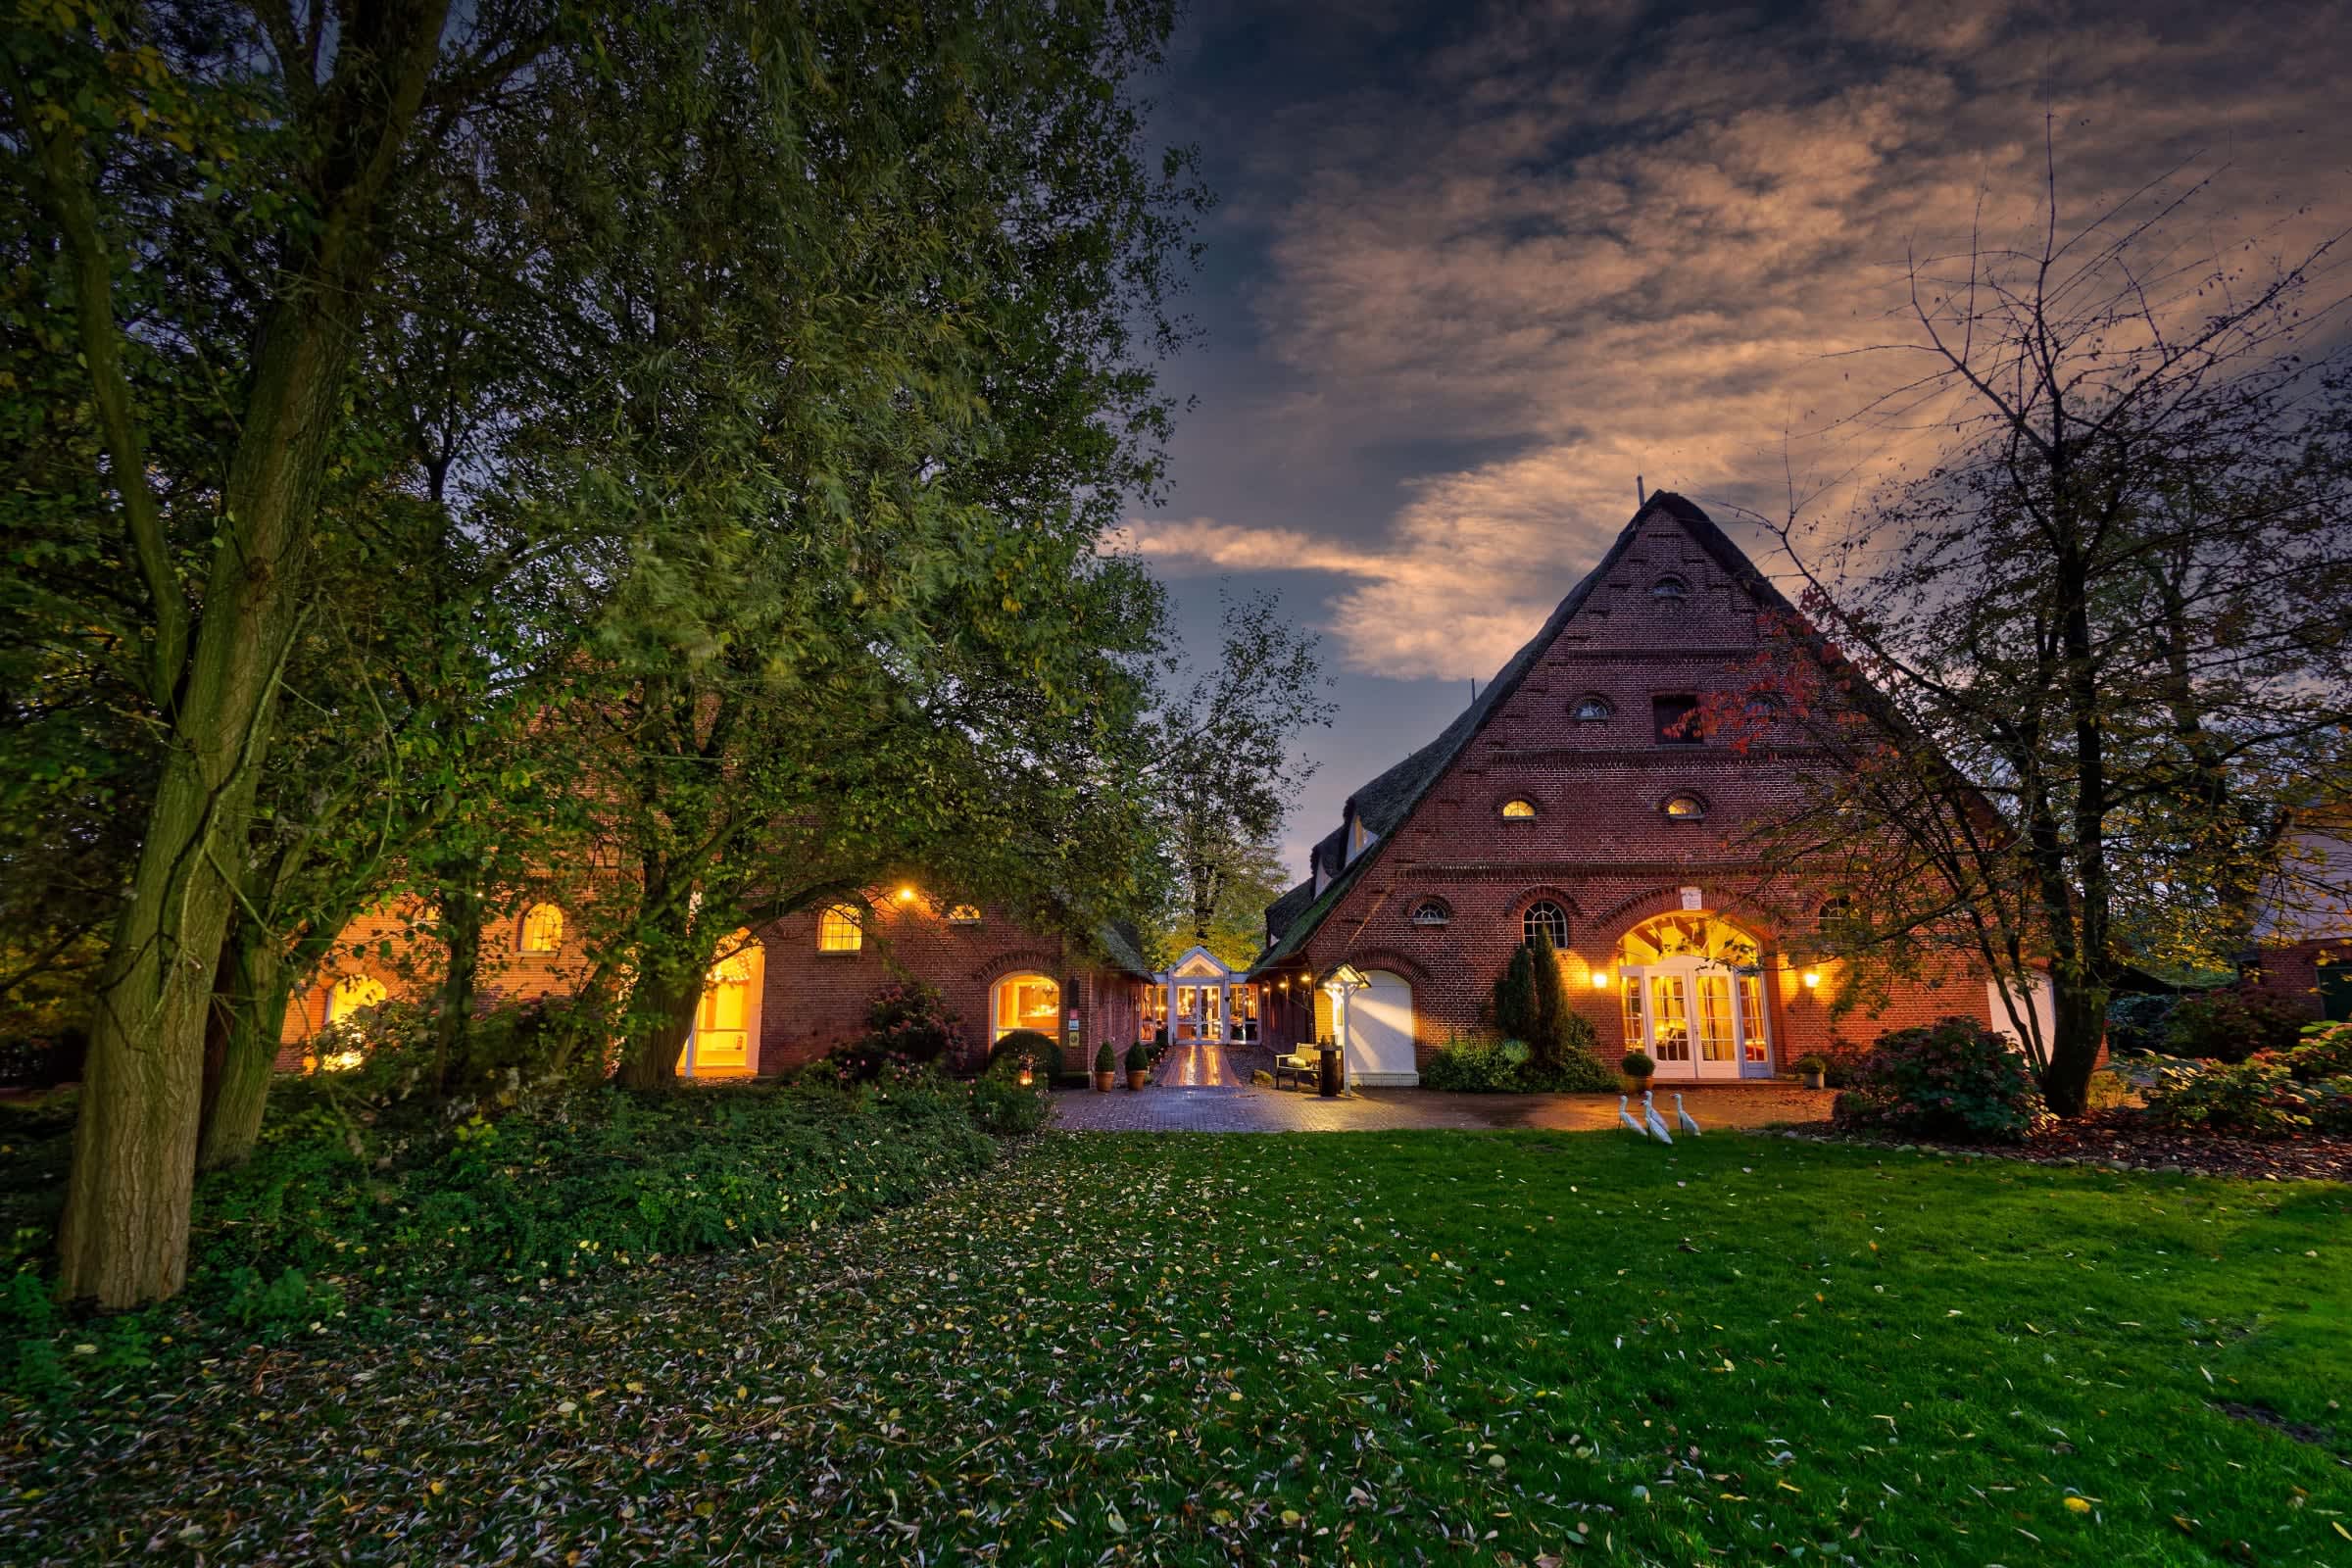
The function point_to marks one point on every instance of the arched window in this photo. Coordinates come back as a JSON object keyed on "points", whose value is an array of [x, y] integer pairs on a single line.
{"points": [[1684, 808], [1672, 590], [1025, 1001], [354, 993], [963, 914], [1836, 924], [1518, 809], [1592, 710], [1545, 918], [542, 928], [839, 930], [1432, 913]]}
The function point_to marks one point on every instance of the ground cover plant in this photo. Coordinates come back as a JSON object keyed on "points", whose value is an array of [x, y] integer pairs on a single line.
{"points": [[1372, 1348], [354, 1205]]}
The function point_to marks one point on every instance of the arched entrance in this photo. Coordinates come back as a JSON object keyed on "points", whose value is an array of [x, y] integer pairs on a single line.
{"points": [[1692, 997], [725, 1040], [1380, 1032]]}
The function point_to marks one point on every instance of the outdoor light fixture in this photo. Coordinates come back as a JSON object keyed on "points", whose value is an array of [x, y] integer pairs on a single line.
{"points": [[905, 895], [1812, 978], [1024, 1069], [1601, 979]]}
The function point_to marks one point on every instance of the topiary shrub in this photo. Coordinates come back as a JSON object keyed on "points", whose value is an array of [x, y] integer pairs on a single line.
{"points": [[1106, 1059], [1037, 1046], [1954, 1078], [2256, 1099], [1139, 1059], [1637, 1064], [2228, 1026]]}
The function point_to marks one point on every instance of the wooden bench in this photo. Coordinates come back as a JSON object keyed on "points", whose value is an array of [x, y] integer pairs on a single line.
{"points": [[1301, 1069]]}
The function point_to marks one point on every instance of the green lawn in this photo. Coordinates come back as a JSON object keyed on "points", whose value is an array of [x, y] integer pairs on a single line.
{"points": [[1319, 1348]]}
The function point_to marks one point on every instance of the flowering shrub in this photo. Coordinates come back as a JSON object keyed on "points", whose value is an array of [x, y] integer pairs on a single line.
{"points": [[2228, 1026], [2256, 1097], [907, 1025], [2325, 1053], [2330, 1103], [1954, 1078]]}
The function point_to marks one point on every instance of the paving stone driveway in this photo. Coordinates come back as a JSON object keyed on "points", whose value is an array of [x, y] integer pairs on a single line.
{"points": [[1164, 1108]]}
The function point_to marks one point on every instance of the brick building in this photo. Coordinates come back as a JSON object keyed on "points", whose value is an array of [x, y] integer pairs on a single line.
{"points": [[789, 993], [2302, 957], [1566, 798]]}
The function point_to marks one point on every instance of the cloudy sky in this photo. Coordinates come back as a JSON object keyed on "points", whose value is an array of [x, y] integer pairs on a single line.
{"points": [[1475, 268]]}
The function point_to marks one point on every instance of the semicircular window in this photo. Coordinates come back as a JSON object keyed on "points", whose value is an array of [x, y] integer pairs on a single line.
{"points": [[1518, 809], [1545, 918], [1684, 808], [1592, 710], [1431, 912], [1671, 589]]}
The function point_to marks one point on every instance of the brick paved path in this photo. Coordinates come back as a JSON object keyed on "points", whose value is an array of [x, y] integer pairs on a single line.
{"points": [[1164, 1108], [1197, 1067]]}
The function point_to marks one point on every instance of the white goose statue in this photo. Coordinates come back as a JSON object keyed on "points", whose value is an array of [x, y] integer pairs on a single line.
{"points": [[1682, 1119], [1626, 1118], [1657, 1123]]}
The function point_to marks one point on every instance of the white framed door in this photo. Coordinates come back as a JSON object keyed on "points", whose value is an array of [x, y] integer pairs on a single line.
{"points": [[1695, 1019], [1379, 1037]]}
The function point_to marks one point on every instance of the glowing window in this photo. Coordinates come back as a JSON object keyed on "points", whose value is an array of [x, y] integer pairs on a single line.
{"points": [[1518, 810], [1026, 1002], [1592, 710], [1546, 920], [1431, 912], [1671, 589], [354, 993], [1685, 809], [542, 928], [838, 930], [1676, 722], [963, 914]]}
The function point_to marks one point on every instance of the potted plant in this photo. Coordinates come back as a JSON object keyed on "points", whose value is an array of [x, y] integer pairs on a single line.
{"points": [[1139, 1066], [1638, 1069], [1107, 1066], [1812, 1067]]}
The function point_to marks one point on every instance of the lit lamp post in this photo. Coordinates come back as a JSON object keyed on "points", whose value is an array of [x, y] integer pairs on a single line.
{"points": [[1339, 984]]}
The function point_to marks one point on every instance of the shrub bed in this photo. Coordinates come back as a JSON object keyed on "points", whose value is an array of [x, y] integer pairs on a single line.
{"points": [[1508, 1067], [351, 1206]]}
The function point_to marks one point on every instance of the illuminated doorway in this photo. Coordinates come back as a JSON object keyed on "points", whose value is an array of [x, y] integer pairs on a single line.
{"points": [[725, 1040], [1694, 1000], [1024, 1002]]}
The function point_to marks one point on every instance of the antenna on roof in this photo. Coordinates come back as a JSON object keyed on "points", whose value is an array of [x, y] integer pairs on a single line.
{"points": [[1640, 496]]}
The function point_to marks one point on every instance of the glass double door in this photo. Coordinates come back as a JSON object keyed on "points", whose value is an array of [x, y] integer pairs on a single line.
{"points": [[1696, 1018]]}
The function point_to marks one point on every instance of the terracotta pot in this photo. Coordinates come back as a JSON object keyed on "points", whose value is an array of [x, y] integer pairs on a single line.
{"points": [[1813, 1080], [1637, 1087], [1103, 1082], [1138, 1077]]}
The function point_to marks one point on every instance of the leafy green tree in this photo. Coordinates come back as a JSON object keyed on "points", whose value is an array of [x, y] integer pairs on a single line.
{"points": [[1229, 764]]}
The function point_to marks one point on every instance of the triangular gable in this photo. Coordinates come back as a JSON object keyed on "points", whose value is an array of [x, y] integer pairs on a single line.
{"points": [[1390, 799], [1198, 963]]}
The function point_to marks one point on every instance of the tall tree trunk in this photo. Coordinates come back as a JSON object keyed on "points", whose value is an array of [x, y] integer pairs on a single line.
{"points": [[262, 982], [663, 1010], [462, 933], [122, 1240]]}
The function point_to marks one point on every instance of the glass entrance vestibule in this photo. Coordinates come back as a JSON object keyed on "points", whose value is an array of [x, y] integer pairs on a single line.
{"points": [[1200, 1002], [1693, 998]]}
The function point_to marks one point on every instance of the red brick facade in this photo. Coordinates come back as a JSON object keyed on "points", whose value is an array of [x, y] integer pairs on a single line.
{"points": [[808, 1000], [1599, 844]]}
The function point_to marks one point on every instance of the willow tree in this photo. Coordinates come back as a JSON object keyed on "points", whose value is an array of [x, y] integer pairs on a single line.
{"points": [[2058, 692]]}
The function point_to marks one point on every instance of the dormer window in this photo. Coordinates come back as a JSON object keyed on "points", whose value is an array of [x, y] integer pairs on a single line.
{"points": [[1592, 710], [1430, 913], [1670, 590], [1684, 808], [1518, 809]]}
